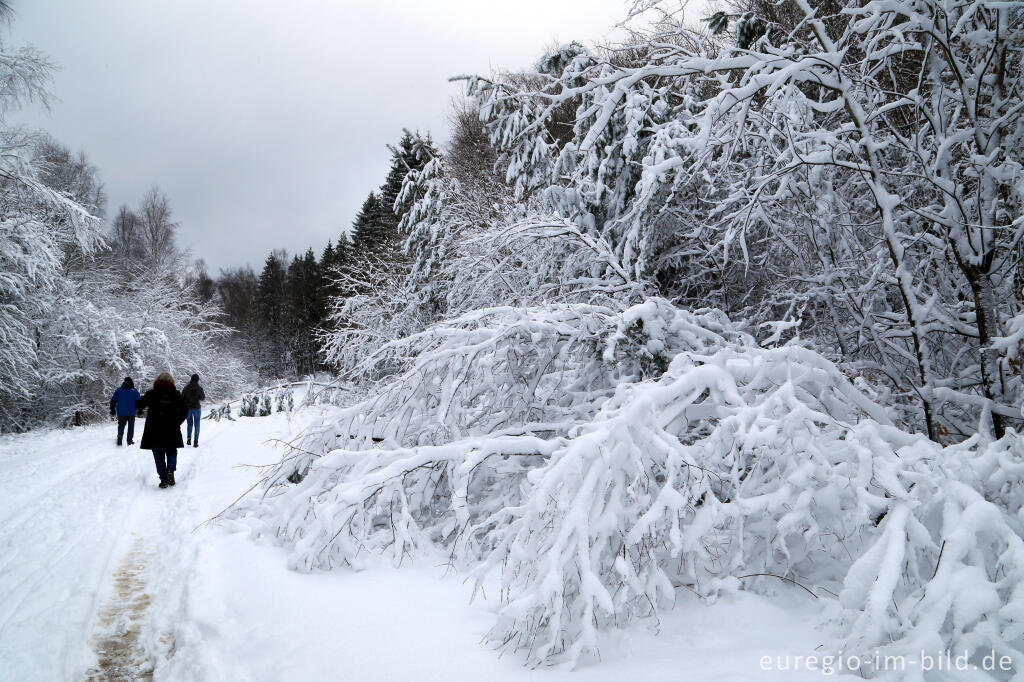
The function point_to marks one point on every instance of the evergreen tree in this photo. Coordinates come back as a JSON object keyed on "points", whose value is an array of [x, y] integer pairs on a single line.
{"points": [[369, 227], [335, 280], [327, 258], [304, 297], [314, 300], [271, 314], [342, 252], [332, 263], [375, 230], [328, 265]]}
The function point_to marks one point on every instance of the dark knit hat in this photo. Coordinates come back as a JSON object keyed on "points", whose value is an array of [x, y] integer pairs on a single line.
{"points": [[195, 377]]}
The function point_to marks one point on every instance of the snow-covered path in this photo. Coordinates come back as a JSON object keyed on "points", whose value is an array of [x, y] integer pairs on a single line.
{"points": [[66, 496], [74, 508], [105, 576]]}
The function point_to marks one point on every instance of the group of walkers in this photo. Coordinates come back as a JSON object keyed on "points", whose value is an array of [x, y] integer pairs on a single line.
{"points": [[167, 409]]}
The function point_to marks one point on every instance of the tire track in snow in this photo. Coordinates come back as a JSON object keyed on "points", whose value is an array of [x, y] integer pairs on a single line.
{"points": [[19, 509], [120, 622], [60, 540]]}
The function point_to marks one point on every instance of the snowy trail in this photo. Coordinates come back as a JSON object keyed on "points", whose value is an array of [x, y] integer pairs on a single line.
{"points": [[72, 506], [66, 495], [103, 576], [122, 632], [122, 619]]}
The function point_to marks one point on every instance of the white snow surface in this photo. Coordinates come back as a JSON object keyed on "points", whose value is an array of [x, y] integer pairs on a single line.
{"points": [[216, 605]]}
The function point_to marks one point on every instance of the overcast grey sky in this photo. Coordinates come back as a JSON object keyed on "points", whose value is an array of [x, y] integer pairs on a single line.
{"points": [[266, 121]]}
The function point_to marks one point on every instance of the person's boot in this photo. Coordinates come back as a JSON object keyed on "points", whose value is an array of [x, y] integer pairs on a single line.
{"points": [[188, 441], [196, 444], [170, 478], [119, 442], [163, 481]]}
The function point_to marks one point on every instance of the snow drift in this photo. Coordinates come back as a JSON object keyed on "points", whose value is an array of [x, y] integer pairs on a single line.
{"points": [[602, 460]]}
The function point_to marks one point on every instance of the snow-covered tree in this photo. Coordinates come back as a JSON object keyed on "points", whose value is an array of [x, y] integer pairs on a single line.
{"points": [[157, 229], [109, 324], [521, 403], [901, 120], [38, 225], [601, 460], [71, 174], [125, 238]]}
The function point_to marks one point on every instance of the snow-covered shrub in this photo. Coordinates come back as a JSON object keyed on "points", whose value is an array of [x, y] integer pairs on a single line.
{"points": [[249, 405], [221, 412], [284, 400], [262, 403], [506, 368], [535, 443]]}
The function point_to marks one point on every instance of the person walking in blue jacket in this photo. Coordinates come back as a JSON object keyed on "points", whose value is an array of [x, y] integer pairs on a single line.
{"points": [[123, 404]]}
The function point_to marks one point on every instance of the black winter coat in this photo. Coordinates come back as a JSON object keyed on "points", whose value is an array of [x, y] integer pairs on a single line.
{"points": [[163, 421], [193, 393]]}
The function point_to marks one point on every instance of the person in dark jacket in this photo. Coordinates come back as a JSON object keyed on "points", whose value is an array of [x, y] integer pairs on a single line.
{"points": [[122, 404], [193, 395], [162, 433]]}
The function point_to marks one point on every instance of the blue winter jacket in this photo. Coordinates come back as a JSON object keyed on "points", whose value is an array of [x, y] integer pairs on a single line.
{"points": [[124, 399]]}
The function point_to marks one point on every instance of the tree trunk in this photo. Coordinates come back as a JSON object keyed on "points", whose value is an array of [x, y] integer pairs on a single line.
{"points": [[987, 320]]}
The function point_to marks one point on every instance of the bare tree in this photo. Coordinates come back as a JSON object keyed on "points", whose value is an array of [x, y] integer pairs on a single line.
{"points": [[236, 294], [71, 173], [158, 228], [126, 237]]}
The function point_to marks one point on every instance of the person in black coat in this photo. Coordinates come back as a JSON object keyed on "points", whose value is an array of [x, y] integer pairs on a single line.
{"points": [[162, 433], [193, 395]]}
